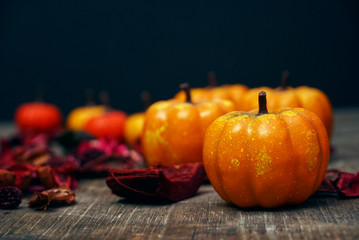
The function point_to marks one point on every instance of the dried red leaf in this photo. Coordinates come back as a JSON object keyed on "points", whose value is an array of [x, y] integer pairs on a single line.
{"points": [[343, 184], [107, 145], [98, 155], [7, 155], [36, 154], [328, 184], [171, 183], [64, 175], [26, 138], [134, 183], [24, 173], [61, 195], [348, 184], [44, 174]]}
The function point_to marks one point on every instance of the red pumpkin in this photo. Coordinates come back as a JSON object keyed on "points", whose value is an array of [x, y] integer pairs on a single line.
{"points": [[110, 124], [38, 117], [266, 159]]}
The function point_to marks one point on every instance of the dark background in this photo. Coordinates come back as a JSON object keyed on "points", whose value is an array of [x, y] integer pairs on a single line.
{"points": [[125, 47]]}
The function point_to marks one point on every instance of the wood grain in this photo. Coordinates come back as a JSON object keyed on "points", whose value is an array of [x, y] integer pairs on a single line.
{"points": [[100, 215]]}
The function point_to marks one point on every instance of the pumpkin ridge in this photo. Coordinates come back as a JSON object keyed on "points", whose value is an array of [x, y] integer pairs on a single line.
{"points": [[319, 179], [292, 147], [217, 168], [253, 174], [173, 113]]}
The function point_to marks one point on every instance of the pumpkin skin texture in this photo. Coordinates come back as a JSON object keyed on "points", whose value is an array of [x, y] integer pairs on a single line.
{"points": [[174, 131], [268, 160], [38, 117], [110, 124], [78, 117]]}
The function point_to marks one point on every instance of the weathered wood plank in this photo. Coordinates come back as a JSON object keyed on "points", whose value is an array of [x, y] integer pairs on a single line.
{"points": [[100, 215]]}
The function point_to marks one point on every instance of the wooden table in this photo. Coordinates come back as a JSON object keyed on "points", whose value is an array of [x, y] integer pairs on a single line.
{"points": [[100, 215]]}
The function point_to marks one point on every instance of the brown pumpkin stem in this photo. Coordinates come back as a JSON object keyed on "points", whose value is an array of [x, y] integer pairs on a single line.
{"points": [[285, 80], [89, 96], [262, 102], [105, 100], [212, 79], [185, 87], [146, 99]]}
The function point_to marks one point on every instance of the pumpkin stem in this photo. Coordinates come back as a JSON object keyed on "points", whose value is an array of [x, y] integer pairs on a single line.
{"points": [[262, 102], [105, 100], [146, 99], [185, 87], [89, 96], [212, 79], [285, 80]]}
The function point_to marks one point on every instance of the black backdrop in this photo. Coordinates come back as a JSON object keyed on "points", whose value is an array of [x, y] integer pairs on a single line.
{"points": [[126, 47]]}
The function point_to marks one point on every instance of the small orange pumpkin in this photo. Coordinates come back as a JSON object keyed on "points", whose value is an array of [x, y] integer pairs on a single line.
{"points": [[231, 92], [284, 96], [174, 131], [266, 159]]}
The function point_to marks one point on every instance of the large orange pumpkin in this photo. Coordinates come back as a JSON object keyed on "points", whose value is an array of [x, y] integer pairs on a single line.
{"points": [[174, 131], [310, 98], [266, 159]]}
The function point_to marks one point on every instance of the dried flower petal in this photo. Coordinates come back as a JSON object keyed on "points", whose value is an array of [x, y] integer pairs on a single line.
{"points": [[348, 184], [98, 155], [24, 174], [7, 178], [44, 174], [64, 175], [328, 184], [343, 184], [90, 155], [62, 195], [10, 197], [134, 183], [35, 154], [171, 183]]}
